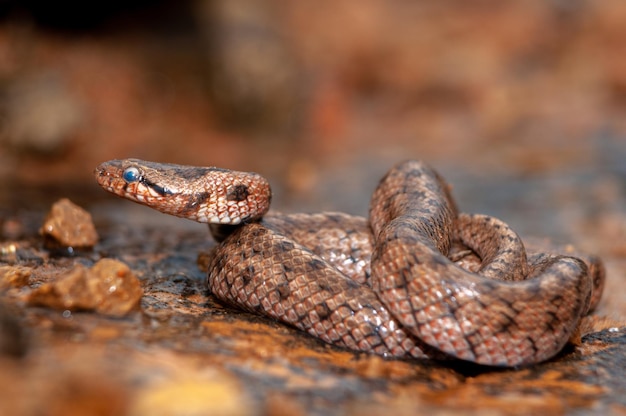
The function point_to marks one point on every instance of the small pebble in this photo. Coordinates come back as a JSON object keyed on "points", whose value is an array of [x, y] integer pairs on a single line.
{"points": [[68, 225], [109, 288]]}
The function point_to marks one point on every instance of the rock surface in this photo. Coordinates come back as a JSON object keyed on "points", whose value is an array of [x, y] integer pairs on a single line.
{"points": [[183, 350]]}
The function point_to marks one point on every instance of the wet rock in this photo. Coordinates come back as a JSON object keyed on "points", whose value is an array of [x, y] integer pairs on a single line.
{"points": [[184, 345], [14, 276], [109, 288], [68, 225]]}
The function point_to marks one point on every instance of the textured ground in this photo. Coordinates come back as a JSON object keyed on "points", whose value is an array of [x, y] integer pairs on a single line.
{"points": [[182, 350]]}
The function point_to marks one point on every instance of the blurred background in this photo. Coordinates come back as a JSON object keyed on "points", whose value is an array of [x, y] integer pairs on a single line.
{"points": [[520, 105]]}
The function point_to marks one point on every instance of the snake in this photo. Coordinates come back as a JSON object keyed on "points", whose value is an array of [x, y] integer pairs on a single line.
{"points": [[417, 279]]}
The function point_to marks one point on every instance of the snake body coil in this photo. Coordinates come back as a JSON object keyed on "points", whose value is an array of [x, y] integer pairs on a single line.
{"points": [[416, 280]]}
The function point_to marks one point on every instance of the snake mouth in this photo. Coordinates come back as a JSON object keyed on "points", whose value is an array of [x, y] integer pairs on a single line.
{"points": [[102, 177], [98, 172], [103, 173]]}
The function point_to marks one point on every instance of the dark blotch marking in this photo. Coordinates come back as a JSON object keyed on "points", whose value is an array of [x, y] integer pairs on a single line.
{"points": [[316, 264], [414, 173], [322, 284], [335, 218], [197, 199], [238, 193], [509, 325], [532, 344], [352, 284], [247, 274], [193, 173], [284, 246], [283, 290], [254, 232], [415, 193], [323, 311]]}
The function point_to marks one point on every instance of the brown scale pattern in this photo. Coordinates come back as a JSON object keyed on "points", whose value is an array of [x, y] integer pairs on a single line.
{"points": [[385, 286], [461, 313], [272, 275]]}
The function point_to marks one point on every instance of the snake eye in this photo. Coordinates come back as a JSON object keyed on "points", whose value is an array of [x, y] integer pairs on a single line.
{"points": [[131, 174]]}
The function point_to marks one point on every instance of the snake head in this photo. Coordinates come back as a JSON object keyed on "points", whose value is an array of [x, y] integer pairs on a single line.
{"points": [[203, 194]]}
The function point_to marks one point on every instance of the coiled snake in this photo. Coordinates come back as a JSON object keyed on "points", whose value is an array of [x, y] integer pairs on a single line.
{"points": [[416, 280]]}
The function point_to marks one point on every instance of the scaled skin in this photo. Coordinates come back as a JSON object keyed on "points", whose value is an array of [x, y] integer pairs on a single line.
{"points": [[386, 286]]}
